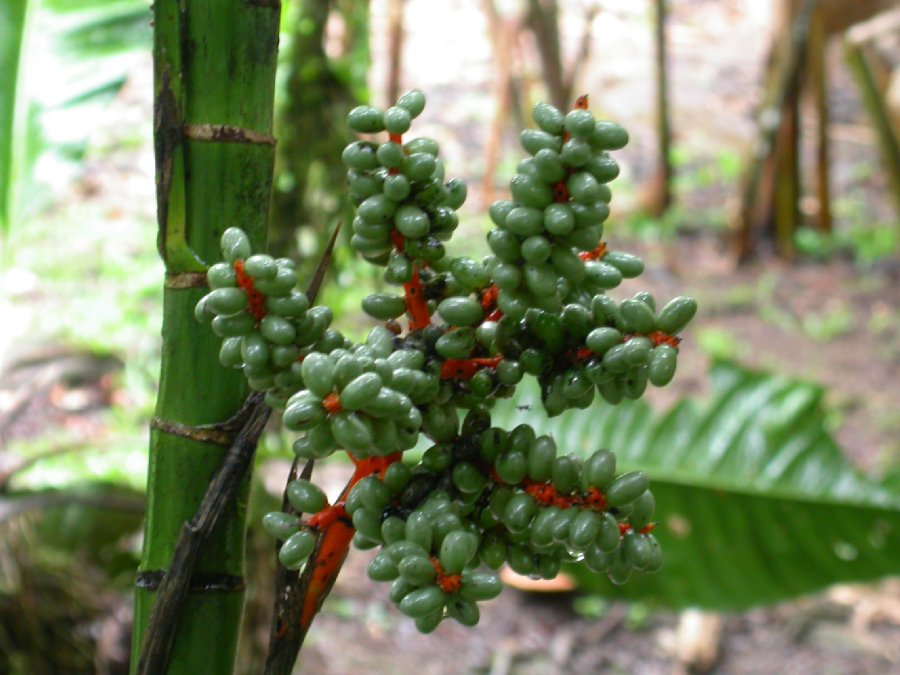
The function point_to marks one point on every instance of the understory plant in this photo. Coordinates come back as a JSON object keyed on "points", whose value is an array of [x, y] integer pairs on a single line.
{"points": [[456, 335]]}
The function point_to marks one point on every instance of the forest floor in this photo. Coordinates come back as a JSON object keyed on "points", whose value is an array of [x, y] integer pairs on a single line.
{"points": [[834, 321]]}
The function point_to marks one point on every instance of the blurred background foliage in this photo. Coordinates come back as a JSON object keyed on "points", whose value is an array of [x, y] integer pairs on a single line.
{"points": [[769, 486]]}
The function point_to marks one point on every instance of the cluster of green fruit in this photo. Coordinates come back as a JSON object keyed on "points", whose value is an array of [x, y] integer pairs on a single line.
{"points": [[485, 498], [364, 399], [536, 306], [265, 322], [559, 203], [398, 189]]}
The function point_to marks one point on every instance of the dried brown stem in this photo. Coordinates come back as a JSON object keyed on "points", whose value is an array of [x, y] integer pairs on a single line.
{"points": [[176, 581]]}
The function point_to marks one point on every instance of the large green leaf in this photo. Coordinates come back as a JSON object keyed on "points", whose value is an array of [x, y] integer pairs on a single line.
{"points": [[93, 44], [60, 60], [13, 15], [755, 500]]}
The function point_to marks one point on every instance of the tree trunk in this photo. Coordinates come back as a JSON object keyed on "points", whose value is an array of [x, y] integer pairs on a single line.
{"points": [[818, 101], [759, 183], [396, 30], [543, 19], [318, 91], [214, 76], [873, 79], [660, 192]]}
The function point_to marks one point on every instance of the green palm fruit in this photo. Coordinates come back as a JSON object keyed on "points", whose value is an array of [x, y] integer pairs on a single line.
{"points": [[663, 361], [411, 221], [676, 314], [360, 392], [548, 118], [365, 119], [397, 120], [390, 155], [280, 525], [529, 191], [637, 317], [457, 549], [235, 245], [419, 166], [525, 221], [608, 136], [549, 166], [602, 167], [519, 512], [642, 510], [575, 152], [352, 432], [427, 624], [363, 184], [306, 497], [417, 570], [534, 140], [567, 264], [464, 612], [382, 568], [360, 155], [296, 549], [511, 467], [559, 219], [254, 350], [629, 265], [597, 560], [413, 101], [626, 488], [583, 187], [600, 469], [562, 525], [601, 340], [422, 602], [293, 306], [479, 586], [461, 311], [505, 245], [566, 474]]}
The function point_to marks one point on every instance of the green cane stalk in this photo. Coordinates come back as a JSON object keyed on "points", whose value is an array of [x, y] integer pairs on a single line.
{"points": [[214, 74]]}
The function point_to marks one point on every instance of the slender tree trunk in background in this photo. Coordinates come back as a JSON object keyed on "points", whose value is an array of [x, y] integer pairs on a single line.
{"points": [[818, 90], [872, 77], [503, 36], [786, 209], [783, 211], [661, 184], [757, 201], [395, 50], [319, 90], [543, 20], [582, 55], [214, 76]]}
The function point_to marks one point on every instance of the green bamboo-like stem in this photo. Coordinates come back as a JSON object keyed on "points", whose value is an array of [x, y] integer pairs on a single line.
{"points": [[214, 73], [13, 31]]}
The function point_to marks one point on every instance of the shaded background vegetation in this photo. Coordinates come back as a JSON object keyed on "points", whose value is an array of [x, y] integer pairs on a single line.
{"points": [[82, 292]]}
